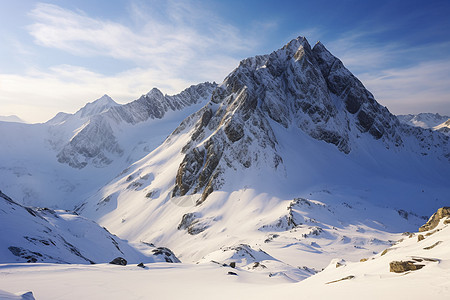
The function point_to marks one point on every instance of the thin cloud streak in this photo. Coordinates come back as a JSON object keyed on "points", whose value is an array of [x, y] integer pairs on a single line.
{"points": [[420, 88]]}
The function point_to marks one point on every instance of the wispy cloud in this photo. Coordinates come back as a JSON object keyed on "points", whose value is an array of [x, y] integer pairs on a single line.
{"points": [[423, 87], [185, 35]]}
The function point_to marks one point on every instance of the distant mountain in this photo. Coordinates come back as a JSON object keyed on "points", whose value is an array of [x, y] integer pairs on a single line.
{"points": [[12, 118], [97, 142], [423, 120], [56, 163], [427, 121], [292, 160]]}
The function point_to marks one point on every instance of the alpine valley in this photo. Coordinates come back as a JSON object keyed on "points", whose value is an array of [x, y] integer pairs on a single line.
{"points": [[286, 179]]}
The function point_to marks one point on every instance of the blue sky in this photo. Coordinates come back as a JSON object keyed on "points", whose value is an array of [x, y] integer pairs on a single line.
{"points": [[58, 55]]}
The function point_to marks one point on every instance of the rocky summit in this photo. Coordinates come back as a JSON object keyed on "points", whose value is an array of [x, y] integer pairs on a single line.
{"points": [[295, 87]]}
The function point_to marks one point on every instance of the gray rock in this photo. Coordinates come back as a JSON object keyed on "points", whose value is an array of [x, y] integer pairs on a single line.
{"points": [[119, 261], [167, 254]]}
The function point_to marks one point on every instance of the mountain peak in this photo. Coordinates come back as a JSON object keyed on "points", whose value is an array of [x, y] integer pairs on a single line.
{"points": [[12, 118], [154, 92], [96, 107]]}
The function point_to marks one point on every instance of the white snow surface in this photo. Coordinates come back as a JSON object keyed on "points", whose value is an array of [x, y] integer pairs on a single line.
{"points": [[370, 279]]}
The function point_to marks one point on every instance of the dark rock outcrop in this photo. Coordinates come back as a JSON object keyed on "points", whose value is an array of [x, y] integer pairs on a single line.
{"points": [[166, 253], [192, 223], [119, 261]]}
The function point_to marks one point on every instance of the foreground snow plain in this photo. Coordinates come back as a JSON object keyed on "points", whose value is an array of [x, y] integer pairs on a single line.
{"points": [[370, 279]]}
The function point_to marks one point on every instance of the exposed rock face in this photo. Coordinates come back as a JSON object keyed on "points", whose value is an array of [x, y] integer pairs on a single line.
{"points": [[96, 142], [119, 261], [167, 254], [435, 218], [295, 86], [404, 266], [193, 223]]}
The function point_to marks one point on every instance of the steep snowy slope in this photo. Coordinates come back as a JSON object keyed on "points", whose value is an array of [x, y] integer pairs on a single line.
{"points": [[37, 160], [290, 163], [45, 235], [444, 127]]}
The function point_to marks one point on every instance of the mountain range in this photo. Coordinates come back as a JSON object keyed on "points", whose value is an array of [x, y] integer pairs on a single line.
{"points": [[287, 164], [428, 121]]}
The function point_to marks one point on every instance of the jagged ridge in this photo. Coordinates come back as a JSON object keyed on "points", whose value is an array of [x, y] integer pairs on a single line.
{"points": [[295, 86]]}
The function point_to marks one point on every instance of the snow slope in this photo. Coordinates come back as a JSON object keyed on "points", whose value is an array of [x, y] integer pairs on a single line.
{"points": [[291, 163], [45, 235], [370, 278]]}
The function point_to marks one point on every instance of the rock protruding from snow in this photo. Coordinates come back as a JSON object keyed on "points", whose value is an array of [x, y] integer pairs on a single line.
{"points": [[165, 254], [119, 261], [404, 266], [441, 213]]}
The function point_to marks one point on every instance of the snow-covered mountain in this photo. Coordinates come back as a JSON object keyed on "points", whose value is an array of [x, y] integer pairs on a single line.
{"points": [[428, 121], [12, 118], [97, 141], [423, 120], [286, 165], [56, 163], [291, 162]]}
